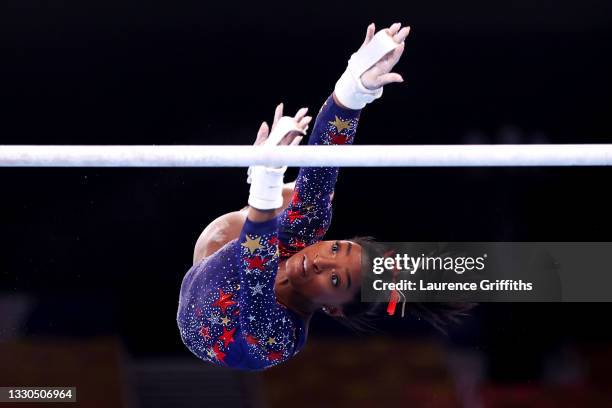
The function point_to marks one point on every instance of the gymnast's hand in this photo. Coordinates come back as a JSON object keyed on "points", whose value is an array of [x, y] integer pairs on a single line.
{"points": [[380, 74], [294, 137], [369, 69], [266, 192]]}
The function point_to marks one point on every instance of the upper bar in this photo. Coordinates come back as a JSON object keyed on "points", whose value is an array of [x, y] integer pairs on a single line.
{"points": [[307, 156]]}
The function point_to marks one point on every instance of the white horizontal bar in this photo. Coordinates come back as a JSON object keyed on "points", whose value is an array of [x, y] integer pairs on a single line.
{"points": [[307, 156]]}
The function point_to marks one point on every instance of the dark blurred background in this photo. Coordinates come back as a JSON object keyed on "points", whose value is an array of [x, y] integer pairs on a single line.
{"points": [[91, 260]]}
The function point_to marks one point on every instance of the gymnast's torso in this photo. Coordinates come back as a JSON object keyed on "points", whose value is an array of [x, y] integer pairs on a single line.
{"points": [[233, 320]]}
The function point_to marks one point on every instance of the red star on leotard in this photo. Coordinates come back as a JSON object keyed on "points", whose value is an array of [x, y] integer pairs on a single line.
{"points": [[294, 215], [198, 312], [298, 243], [224, 300], [256, 262], [219, 355], [339, 139], [295, 200], [227, 336], [205, 332], [285, 251], [273, 240], [320, 232], [236, 312], [251, 339], [275, 355]]}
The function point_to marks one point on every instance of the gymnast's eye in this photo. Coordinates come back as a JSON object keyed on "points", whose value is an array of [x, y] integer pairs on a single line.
{"points": [[335, 247], [335, 280]]}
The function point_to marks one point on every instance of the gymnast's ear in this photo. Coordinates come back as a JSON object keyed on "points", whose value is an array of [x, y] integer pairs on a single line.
{"points": [[333, 311]]}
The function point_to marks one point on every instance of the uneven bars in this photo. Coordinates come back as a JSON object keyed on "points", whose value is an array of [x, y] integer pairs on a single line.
{"points": [[307, 156]]}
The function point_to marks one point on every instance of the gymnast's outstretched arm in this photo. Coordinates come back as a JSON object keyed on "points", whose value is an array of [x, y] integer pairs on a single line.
{"points": [[228, 313], [227, 227], [301, 121], [308, 215]]}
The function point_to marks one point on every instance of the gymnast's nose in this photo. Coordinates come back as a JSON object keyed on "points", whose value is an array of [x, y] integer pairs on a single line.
{"points": [[322, 264]]}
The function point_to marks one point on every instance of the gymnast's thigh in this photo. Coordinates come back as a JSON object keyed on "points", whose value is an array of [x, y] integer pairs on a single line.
{"points": [[218, 233]]}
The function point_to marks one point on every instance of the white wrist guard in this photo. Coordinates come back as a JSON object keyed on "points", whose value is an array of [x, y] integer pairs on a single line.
{"points": [[349, 89], [266, 191]]}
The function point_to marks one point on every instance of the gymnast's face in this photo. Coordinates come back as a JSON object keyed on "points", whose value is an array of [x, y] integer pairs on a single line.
{"points": [[328, 273]]}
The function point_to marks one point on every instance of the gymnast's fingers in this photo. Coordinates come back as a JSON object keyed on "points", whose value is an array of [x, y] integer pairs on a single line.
{"points": [[300, 114], [393, 29], [386, 63], [385, 79], [401, 35], [289, 139], [262, 133], [303, 123], [394, 57], [278, 113], [369, 34], [296, 141]]}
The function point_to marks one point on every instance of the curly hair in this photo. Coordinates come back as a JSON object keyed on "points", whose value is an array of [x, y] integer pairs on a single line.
{"points": [[361, 316]]}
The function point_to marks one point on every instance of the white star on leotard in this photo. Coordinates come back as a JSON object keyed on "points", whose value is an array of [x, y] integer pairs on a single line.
{"points": [[311, 218], [214, 319], [251, 318], [257, 289]]}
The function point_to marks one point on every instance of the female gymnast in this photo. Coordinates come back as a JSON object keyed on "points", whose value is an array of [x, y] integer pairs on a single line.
{"points": [[260, 274]]}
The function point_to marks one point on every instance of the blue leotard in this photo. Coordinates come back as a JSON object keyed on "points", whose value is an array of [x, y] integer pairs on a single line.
{"points": [[228, 313]]}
